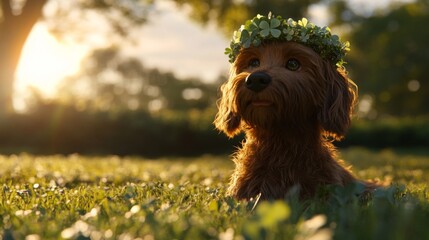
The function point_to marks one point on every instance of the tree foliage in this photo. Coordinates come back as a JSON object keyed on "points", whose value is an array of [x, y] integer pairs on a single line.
{"points": [[389, 59], [115, 18], [229, 14]]}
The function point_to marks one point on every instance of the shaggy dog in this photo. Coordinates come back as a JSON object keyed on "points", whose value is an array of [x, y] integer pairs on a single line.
{"points": [[291, 104]]}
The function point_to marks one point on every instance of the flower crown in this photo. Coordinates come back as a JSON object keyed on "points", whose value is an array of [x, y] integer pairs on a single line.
{"points": [[269, 28]]}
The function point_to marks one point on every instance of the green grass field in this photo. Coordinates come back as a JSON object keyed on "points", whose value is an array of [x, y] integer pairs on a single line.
{"points": [[78, 197]]}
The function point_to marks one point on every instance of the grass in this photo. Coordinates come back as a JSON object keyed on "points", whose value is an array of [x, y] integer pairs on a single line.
{"points": [[78, 197]]}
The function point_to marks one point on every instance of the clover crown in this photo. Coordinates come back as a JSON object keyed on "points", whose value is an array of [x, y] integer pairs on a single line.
{"points": [[266, 28]]}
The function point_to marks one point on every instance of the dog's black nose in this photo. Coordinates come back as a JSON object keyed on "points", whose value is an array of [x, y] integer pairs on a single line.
{"points": [[258, 81]]}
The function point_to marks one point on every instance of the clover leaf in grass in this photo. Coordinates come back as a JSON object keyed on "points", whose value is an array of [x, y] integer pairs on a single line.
{"points": [[272, 213]]}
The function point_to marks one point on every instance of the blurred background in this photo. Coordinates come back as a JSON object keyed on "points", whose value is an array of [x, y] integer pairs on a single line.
{"points": [[132, 77]]}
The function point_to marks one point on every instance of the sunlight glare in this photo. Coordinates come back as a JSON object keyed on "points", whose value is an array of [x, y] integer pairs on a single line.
{"points": [[44, 63]]}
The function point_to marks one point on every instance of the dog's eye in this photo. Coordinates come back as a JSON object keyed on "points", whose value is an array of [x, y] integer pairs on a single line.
{"points": [[293, 64], [254, 63]]}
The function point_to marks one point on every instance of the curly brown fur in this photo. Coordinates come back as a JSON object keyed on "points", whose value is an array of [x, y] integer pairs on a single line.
{"points": [[289, 124]]}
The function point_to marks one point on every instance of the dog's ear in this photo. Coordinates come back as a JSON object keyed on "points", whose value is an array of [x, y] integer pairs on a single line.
{"points": [[340, 99], [226, 119]]}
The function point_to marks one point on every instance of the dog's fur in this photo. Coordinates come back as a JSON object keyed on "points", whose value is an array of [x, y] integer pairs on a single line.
{"points": [[289, 125]]}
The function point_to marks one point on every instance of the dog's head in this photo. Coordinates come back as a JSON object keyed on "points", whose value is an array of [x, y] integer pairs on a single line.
{"points": [[285, 84]]}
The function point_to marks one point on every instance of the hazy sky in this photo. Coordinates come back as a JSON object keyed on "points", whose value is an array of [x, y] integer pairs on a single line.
{"points": [[173, 42]]}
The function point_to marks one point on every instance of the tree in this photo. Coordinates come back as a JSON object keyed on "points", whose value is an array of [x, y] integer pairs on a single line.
{"points": [[14, 30], [390, 58]]}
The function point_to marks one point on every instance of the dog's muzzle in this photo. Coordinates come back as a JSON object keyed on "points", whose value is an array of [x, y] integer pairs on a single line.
{"points": [[258, 81]]}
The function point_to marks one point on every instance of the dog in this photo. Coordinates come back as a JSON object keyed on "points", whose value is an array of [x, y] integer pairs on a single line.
{"points": [[291, 104]]}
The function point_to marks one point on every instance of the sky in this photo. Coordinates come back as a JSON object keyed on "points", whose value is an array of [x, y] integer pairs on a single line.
{"points": [[187, 49]]}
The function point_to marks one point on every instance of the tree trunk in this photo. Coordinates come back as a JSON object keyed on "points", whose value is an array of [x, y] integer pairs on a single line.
{"points": [[14, 30]]}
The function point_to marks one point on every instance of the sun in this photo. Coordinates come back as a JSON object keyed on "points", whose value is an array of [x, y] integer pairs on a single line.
{"points": [[44, 63]]}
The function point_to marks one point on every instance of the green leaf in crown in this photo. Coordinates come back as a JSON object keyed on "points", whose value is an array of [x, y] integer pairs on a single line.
{"points": [[265, 28]]}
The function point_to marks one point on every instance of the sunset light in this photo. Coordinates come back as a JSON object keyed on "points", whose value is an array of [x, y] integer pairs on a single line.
{"points": [[44, 63], [241, 119]]}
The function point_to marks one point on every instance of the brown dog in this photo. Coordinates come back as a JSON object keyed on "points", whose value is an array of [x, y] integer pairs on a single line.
{"points": [[291, 104]]}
